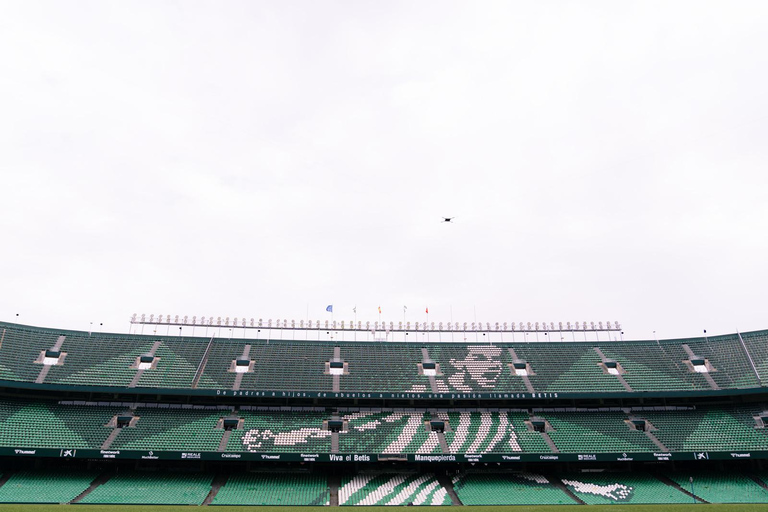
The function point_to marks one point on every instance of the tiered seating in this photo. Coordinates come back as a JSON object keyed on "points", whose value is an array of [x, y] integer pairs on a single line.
{"points": [[595, 431], [566, 367], [165, 428], [281, 429], [274, 488], [652, 366], [379, 366], [721, 486], [179, 359], [104, 360], [49, 425], [630, 488], [216, 374], [474, 368], [757, 345], [155, 488], [289, 367], [20, 347], [727, 356], [508, 489], [392, 431], [45, 486], [480, 432], [529, 441], [709, 429], [392, 489]]}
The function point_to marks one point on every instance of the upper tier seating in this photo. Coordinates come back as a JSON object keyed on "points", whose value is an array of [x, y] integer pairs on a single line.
{"points": [[109, 360]]}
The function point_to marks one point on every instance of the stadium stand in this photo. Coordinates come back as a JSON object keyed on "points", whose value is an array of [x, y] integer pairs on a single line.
{"points": [[152, 488], [386, 488], [519, 488], [204, 420], [45, 486], [630, 488], [721, 487], [289, 488]]}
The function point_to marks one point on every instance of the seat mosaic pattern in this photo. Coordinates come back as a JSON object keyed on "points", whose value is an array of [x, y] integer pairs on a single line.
{"points": [[375, 488], [615, 488]]}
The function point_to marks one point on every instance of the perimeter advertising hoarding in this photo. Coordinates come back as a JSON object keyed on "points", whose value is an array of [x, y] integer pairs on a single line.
{"points": [[509, 458]]}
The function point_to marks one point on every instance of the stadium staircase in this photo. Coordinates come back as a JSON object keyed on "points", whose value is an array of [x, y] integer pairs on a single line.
{"points": [[334, 481], [99, 480], [203, 362], [677, 486], [447, 484], [219, 481]]}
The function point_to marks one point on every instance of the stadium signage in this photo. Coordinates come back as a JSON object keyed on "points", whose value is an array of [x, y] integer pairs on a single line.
{"points": [[510, 458], [375, 395]]}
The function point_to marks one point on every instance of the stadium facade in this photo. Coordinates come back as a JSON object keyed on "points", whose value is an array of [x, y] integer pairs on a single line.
{"points": [[204, 420]]}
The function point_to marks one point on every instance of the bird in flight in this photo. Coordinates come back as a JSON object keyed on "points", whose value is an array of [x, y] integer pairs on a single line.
{"points": [[448, 219]]}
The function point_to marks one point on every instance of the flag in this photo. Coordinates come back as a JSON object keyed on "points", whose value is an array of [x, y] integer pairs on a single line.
{"points": [[329, 308], [379, 309], [405, 308], [427, 310], [354, 309]]}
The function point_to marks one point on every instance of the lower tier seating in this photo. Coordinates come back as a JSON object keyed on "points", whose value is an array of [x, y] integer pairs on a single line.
{"points": [[152, 488], [378, 488], [274, 489]]}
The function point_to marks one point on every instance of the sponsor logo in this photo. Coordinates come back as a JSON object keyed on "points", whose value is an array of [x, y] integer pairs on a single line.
{"points": [[109, 454], [270, 457], [230, 455], [25, 452], [624, 457], [701, 456], [548, 457], [587, 457], [435, 458], [510, 457], [150, 455], [741, 455], [68, 453], [190, 455], [663, 456]]}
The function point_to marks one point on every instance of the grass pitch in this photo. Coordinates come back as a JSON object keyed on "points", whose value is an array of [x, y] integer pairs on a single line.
{"points": [[700, 507]]}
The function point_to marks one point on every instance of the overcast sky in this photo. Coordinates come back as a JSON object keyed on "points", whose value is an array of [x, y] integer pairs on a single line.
{"points": [[602, 160]]}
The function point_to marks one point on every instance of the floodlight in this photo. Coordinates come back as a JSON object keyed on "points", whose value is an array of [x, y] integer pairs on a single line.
{"points": [[601, 325], [293, 323], [560, 325], [440, 326], [151, 317], [142, 317], [260, 322], [251, 322], [433, 326], [408, 326], [400, 325], [194, 320], [618, 326], [269, 323], [592, 324], [488, 326], [133, 318], [326, 324], [537, 326], [465, 325], [529, 326], [584, 325]]}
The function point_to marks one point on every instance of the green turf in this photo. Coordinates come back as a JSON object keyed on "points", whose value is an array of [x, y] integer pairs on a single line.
{"points": [[541, 508]]}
